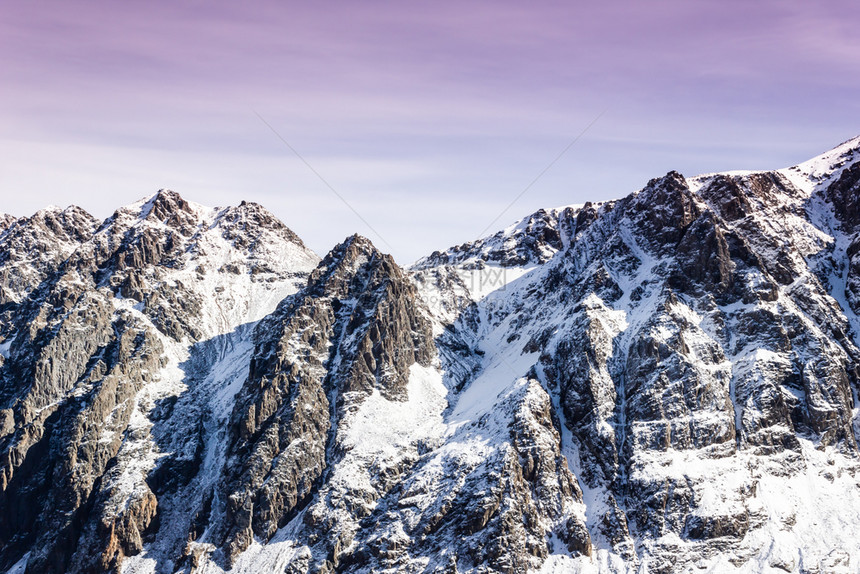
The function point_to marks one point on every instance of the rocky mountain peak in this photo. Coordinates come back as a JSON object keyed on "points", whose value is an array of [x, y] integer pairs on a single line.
{"points": [[89, 355], [663, 209], [533, 240], [355, 332], [342, 264], [6, 220], [165, 209], [72, 224], [164, 205], [248, 218], [354, 248], [672, 181], [35, 247]]}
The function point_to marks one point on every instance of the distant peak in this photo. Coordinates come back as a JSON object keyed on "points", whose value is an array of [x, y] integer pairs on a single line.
{"points": [[672, 179], [249, 215], [358, 244], [352, 249], [250, 207], [6, 221], [165, 203], [346, 258], [166, 207], [54, 211]]}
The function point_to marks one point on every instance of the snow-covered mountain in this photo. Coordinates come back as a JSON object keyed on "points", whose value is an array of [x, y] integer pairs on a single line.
{"points": [[663, 383]]}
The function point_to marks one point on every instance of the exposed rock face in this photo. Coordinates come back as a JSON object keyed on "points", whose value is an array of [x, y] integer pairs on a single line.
{"points": [[354, 330], [532, 240], [473, 504], [693, 339], [91, 327], [663, 383], [844, 195], [56, 457], [32, 248]]}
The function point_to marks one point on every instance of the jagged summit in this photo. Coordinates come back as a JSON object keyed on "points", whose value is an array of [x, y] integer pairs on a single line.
{"points": [[808, 176], [5, 221], [169, 208], [32, 248], [355, 245], [97, 332], [537, 237], [353, 336], [351, 250], [530, 241], [69, 222], [244, 222], [343, 263]]}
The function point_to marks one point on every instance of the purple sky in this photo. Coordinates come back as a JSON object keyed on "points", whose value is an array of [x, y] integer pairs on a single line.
{"points": [[428, 117]]}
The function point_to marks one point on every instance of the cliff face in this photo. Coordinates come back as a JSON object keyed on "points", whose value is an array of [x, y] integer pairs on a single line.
{"points": [[662, 383], [698, 343], [98, 323]]}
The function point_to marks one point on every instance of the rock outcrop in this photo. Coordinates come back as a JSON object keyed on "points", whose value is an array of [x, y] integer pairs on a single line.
{"points": [[355, 330]]}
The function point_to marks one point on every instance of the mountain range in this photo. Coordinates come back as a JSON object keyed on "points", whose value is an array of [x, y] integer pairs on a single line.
{"points": [[666, 382]]}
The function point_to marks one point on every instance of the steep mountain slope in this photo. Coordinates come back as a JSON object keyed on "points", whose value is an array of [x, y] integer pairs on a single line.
{"points": [[97, 334], [698, 341], [662, 383]]}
